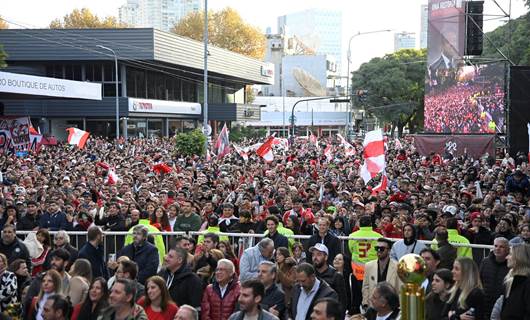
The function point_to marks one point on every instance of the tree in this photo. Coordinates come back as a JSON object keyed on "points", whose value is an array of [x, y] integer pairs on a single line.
{"points": [[226, 29], [85, 19], [3, 54], [393, 88], [190, 143], [512, 39], [3, 24], [239, 133]]}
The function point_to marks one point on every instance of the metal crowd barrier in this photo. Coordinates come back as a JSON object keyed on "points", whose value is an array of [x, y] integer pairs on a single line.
{"points": [[114, 241]]}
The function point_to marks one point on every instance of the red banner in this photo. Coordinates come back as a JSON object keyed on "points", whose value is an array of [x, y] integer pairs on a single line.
{"points": [[475, 145]]}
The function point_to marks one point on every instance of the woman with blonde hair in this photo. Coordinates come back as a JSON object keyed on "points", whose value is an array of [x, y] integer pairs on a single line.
{"points": [[81, 273], [466, 298], [157, 302], [516, 304], [51, 284]]}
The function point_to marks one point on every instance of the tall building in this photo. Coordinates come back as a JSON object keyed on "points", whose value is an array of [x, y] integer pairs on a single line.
{"points": [[158, 14], [404, 40], [318, 29], [424, 25]]}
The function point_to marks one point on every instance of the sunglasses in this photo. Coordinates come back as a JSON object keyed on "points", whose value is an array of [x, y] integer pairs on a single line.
{"points": [[380, 249]]}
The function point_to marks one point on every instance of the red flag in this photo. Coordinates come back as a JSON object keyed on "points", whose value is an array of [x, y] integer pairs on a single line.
{"points": [[161, 168], [265, 150], [222, 145]]}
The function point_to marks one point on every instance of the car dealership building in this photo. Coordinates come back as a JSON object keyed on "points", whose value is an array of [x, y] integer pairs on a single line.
{"points": [[160, 81]]}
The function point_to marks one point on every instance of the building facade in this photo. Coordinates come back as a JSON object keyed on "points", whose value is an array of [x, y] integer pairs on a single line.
{"points": [[319, 29], [160, 88], [404, 40], [158, 14], [424, 25]]}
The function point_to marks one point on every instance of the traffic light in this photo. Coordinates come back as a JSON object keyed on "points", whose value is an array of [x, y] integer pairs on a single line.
{"points": [[361, 95]]}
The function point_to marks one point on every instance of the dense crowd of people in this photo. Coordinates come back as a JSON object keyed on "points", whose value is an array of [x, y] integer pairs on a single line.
{"points": [[141, 186], [465, 108]]}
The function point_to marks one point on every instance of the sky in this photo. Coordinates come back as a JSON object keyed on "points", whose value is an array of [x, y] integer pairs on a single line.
{"points": [[358, 16]]}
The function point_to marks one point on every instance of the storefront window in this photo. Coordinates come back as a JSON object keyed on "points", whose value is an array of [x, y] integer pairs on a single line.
{"points": [[175, 126], [137, 128], [155, 128]]}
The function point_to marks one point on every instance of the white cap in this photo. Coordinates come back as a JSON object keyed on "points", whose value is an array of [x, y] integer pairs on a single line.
{"points": [[320, 247]]}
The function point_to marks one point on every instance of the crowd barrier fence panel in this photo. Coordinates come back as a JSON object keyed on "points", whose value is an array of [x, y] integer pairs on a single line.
{"points": [[113, 241]]}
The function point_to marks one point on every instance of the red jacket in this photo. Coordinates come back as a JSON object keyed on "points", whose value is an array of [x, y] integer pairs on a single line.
{"points": [[213, 307]]}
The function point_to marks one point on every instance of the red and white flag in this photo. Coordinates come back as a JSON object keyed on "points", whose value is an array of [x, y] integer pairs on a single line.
{"points": [[281, 142], [397, 144], [77, 137], [208, 155], [265, 150], [328, 152], [382, 185], [373, 154], [222, 145], [349, 150], [243, 152]]}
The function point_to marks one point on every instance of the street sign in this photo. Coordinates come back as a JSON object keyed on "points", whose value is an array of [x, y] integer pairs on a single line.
{"points": [[207, 130]]}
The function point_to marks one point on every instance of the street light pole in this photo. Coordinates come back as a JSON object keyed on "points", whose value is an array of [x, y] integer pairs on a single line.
{"points": [[205, 104], [348, 56], [116, 81]]}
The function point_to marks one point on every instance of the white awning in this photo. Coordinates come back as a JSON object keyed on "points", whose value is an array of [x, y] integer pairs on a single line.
{"points": [[50, 87]]}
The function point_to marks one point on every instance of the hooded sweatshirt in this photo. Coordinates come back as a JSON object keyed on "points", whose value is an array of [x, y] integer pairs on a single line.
{"points": [[406, 246]]}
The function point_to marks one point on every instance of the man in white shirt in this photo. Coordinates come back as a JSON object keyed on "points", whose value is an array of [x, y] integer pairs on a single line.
{"points": [[308, 290]]}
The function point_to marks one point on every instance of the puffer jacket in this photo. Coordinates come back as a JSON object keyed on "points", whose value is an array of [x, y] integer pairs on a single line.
{"points": [[492, 274], [213, 307]]}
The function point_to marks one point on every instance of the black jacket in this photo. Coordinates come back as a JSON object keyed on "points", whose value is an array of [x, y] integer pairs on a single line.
{"points": [[433, 307], [95, 256], [145, 256], [111, 223], [492, 274], [274, 296], [336, 282], [475, 299], [15, 250], [28, 222], [185, 288], [324, 291], [329, 240], [517, 305], [371, 314], [279, 240]]}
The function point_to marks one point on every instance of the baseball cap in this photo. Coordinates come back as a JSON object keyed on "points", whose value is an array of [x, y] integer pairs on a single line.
{"points": [[319, 247], [450, 209]]}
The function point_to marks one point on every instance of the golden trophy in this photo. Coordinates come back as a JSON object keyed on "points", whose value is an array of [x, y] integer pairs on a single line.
{"points": [[412, 271]]}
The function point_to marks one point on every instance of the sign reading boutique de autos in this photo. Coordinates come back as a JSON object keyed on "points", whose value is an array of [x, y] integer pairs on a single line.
{"points": [[162, 106], [51, 87]]}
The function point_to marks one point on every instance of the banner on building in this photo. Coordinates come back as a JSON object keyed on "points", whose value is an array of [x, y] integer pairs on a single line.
{"points": [[475, 145], [15, 136]]}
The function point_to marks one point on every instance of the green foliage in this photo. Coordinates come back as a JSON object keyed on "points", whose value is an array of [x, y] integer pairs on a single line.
{"points": [[516, 47], [190, 143], [239, 133], [395, 85], [3, 56]]}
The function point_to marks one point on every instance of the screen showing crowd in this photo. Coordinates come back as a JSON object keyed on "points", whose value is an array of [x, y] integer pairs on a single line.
{"points": [[465, 99], [460, 97]]}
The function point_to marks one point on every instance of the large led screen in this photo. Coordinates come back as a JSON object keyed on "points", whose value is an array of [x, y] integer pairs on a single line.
{"points": [[459, 97]]}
